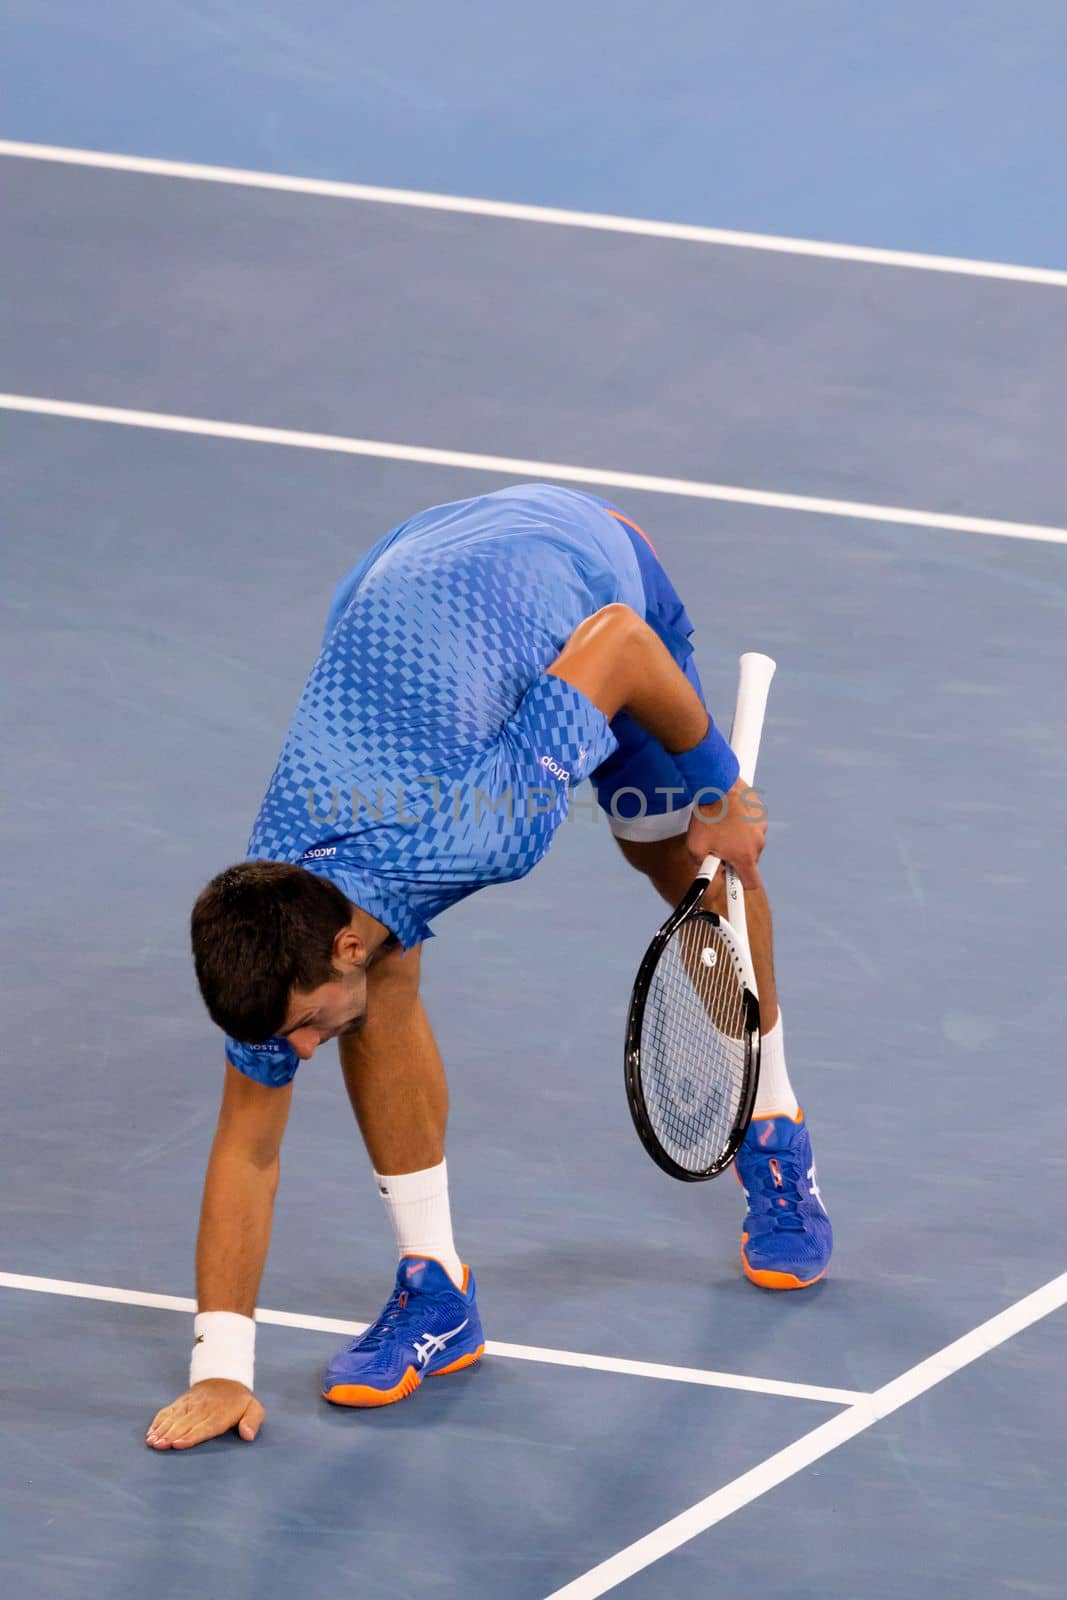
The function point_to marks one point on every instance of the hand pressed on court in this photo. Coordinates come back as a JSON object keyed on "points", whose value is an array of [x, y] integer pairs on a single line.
{"points": [[203, 1412], [735, 830]]}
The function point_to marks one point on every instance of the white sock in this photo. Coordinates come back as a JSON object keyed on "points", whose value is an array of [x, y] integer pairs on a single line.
{"points": [[417, 1203], [774, 1096]]}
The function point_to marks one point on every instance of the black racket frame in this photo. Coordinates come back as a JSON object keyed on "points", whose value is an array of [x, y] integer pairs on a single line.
{"points": [[688, 910]]}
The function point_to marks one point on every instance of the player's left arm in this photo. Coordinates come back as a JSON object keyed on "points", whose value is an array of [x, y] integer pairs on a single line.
{"points": [[616, 660]]}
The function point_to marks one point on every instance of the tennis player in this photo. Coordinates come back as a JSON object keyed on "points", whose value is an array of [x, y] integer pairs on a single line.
{"points": [[478, 663]]}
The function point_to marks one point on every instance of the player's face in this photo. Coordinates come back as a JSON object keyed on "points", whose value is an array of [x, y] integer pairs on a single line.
{"points": [[328, 1012]]}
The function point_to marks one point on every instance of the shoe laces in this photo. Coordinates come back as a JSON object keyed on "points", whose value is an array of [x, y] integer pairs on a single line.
{"points": [[395, 1314], [777, 1179]]}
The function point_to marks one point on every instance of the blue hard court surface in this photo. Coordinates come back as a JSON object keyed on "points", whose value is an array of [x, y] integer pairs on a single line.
{"points": [[162, 597]]}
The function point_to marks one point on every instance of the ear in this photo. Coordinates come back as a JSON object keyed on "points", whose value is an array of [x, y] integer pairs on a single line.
{"points": [[349, 949]]}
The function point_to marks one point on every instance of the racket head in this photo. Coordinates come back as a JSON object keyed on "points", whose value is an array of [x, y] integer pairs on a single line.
{"points": [[693, 1044]]}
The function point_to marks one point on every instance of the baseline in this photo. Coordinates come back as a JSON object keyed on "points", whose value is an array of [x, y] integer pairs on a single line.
{"points": [[551, 215]]}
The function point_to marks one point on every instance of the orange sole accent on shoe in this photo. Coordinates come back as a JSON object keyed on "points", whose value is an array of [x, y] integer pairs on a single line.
{"points": [[774, 1280], [457, 1366], [361, 1394]]}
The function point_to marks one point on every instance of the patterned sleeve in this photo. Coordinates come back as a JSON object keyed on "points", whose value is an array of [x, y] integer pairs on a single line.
{"points": [[273, 1063], [569, 736]]}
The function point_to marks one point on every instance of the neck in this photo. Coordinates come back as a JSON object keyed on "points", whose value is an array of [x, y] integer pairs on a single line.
{"points": [[373, 933]]}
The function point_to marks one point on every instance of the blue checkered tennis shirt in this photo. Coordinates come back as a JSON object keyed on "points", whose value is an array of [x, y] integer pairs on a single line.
{"points": [[430, 753]]}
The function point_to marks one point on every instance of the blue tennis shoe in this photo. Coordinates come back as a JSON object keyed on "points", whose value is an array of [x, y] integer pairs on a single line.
{"points": [[428, 1328], [787, 1237]]}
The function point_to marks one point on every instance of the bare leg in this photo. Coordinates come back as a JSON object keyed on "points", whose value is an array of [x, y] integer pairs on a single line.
{"points": [[396, 1083], [669, 868], [772, 1259], [394, 1074]]}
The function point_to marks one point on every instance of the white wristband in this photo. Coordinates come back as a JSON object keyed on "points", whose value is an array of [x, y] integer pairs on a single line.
{"points": [[224, 1347]]}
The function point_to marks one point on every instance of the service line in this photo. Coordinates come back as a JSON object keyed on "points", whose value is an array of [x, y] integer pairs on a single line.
{"points": [[518, 467], [514, 1352]]}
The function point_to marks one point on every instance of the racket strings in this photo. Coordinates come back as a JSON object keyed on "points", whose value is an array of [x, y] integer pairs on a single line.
{"points": [[694, 1045]]}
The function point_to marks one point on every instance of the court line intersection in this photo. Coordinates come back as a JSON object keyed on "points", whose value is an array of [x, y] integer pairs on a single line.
{"points": [[811, 1447], [860, 1410]]}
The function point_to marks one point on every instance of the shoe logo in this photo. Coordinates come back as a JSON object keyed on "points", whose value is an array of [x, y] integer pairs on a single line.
{"points": [[813, 1188], [765, 1135], [432, 1344], [413, 1270]]}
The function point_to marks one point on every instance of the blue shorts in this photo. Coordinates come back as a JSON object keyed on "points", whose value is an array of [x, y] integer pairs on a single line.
{"points": [[634, 786]]}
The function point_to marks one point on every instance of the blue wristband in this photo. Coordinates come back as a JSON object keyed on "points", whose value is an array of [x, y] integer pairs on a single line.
{"points": [[710, 766]]}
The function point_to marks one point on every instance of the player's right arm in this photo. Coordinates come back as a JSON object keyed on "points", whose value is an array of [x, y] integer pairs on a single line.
{"points": [[616, 660], [231, 1250]]}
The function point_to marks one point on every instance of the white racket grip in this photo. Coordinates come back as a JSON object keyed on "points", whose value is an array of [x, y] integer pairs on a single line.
{"points": [[753, 687]]}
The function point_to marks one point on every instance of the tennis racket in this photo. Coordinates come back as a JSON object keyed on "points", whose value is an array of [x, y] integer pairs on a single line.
{"points": [[692, 1036]]}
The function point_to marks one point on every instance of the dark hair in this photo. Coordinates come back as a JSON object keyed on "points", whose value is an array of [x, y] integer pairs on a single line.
{"points": [[261, 929]]}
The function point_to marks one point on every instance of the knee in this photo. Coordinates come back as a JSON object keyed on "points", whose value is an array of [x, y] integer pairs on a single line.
{"points": [[656, 858], [669, 867], [666, 863]]}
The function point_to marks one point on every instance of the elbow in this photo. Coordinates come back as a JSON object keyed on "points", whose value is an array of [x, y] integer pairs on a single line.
{"points": [[617, 636], [611, 626], [625, 637], [620, 620], [602, 655]]}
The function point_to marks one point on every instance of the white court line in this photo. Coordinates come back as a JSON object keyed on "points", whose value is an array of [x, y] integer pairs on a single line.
{"points": [[816, 1444], [515, 1352], [600, 221], [518, 467]]}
